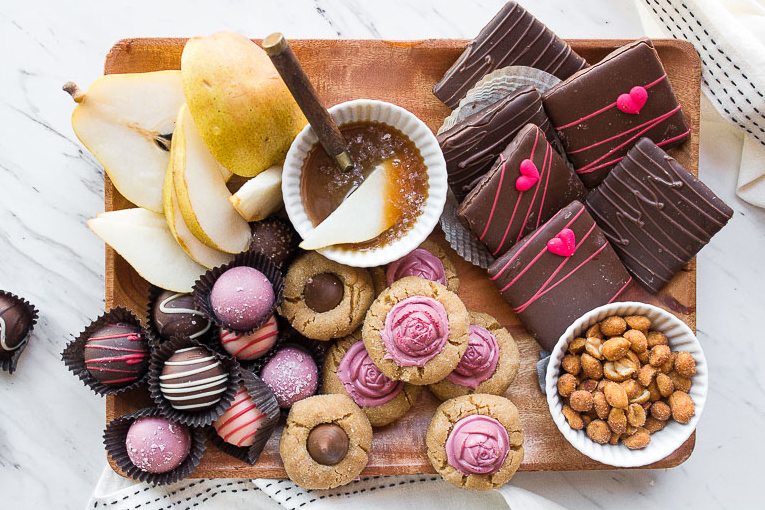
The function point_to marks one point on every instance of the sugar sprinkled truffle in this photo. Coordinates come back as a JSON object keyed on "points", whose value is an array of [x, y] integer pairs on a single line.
{"points": [[276, 239], [292, 375], [193, 379], [157, 445], [252, 346], [117, 354], [241, 297], [174, 314]]}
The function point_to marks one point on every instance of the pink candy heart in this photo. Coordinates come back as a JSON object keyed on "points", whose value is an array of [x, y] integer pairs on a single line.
{"points": [[529, 175], [564, 244], [634, 101]]}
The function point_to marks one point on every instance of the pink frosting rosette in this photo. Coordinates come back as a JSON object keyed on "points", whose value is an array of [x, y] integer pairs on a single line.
{"points": [[363, 380], [479, 361], [477, 445], [415, 331], [419, 263]]}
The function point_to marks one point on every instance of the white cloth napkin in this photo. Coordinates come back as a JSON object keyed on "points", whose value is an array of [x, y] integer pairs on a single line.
{"points": [[730, 38], [415, 492]]}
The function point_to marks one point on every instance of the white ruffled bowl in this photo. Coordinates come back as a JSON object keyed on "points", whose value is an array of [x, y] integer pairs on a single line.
{"points": [[664, 442], [406, 122]]}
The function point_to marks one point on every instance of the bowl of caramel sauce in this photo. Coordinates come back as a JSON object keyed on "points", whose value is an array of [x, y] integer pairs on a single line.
{"points": [[376, 132]]}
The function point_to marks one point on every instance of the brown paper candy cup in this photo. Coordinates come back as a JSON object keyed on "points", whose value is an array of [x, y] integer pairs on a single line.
{"points": [[115, 435], [8, 360], [192, 418], [74, 353], [266, 403], [154, 293], [256, 260], [461, 239]]}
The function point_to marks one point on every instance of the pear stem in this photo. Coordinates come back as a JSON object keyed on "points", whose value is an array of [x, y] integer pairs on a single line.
{"points": [[73, 90]]}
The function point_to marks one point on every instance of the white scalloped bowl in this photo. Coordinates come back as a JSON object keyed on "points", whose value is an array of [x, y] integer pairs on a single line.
{"points": [[406, 122], [664, 442]]}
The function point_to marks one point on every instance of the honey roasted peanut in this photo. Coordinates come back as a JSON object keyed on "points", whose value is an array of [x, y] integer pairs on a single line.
{"points": [[613, 326], [615, 348]]}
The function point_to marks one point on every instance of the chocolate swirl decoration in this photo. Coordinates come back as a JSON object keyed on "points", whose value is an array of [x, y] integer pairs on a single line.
{"points": [[419, 262], [479, 361], [363, 380], [415, 331], [477, 445]]}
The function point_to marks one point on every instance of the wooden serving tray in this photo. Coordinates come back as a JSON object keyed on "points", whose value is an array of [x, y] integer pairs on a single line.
{"points": [[404, 73]]}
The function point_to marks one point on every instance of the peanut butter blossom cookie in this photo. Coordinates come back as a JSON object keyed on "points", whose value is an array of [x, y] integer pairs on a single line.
{"points": [[476, 441], [429, 261], [489, 365], [350, 370], [416, 331]]}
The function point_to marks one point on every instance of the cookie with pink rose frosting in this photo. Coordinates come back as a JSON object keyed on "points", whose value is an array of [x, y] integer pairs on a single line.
{"points": [[489, 365], [476, 441], [349, 370], [416, 331], [428, 261]]}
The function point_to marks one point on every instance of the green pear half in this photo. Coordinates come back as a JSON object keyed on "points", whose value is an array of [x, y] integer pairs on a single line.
{"points": [[201, 191], [244, 111], [144, 240]]}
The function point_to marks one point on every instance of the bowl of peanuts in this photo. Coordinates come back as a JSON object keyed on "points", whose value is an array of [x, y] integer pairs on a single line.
{"points": [[627, 383]]}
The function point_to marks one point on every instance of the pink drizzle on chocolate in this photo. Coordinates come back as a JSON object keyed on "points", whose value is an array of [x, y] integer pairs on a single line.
{"points": [[415, 331], [419, 263], [479, 361], [363, 380], [477, 445]]}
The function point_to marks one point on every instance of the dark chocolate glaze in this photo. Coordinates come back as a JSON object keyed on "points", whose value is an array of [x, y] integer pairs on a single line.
{"points": [[548, 292], [595, 133], [15, 325], [512, 38], [498, 214], [655, 213], [471, 146], [117, 354]]}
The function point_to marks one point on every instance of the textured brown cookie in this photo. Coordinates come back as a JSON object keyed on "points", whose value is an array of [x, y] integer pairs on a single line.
{"points": [[451, 353], [293, 446], [504, 374], [378, 415], [451, 412], [346, 316], [379, 280]]}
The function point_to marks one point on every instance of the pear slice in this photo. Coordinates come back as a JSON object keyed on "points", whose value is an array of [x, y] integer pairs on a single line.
{"points": [[144, 240], [203, 197], [126, 121], [194, 248], [261, 196], [364, 215]]}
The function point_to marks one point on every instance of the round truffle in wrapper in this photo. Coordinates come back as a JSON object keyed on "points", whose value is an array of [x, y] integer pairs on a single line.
{"points": [[256, 364], [8, 361], [74, 353], [266, 403], [115, 435], [154, 293], [188, 417]]}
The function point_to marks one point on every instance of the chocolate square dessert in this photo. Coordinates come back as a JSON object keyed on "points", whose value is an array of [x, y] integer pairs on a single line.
{"points": [[602, 111], [656, 214], [557, 273], [527, 185], [512, 38]]}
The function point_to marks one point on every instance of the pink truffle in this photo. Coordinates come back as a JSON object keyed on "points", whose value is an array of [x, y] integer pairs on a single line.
{"points": [[157, 445], [242, 297], [292, 375]]}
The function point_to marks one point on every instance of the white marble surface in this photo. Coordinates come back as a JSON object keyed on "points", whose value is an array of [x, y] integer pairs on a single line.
{"points": [[50, 425]]}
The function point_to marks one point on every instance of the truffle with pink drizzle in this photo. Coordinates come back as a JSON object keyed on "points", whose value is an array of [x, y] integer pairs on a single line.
{"points": [[479, 361], [477, 445], [415, 331], [363, 380]]}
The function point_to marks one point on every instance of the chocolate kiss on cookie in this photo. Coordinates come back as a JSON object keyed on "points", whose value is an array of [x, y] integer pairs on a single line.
{"points": [[327, 444], [323, 292]]}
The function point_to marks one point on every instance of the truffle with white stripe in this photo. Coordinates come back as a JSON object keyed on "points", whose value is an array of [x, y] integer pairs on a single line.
{"points": [[193, 379]]}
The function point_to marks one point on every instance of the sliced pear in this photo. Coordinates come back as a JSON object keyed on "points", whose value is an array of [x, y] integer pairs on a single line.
{"points": [[126, 121], [203, 197], [261, 196], [364, 215], [144, 240]]}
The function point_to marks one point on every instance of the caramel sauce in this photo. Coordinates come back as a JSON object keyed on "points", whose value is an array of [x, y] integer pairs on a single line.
{"points": [[323, 186]]}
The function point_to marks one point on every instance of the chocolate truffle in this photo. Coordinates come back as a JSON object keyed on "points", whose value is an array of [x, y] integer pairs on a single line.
{"points": [[15, 323], [251, 346], [174, 314], [240, 423], [292, 375], [241, 297], [512, 38], [193, 379], [327, 444], [276, 239], [527, 185], [157, 445], [117, 354], [656, 214], [323, 292]]}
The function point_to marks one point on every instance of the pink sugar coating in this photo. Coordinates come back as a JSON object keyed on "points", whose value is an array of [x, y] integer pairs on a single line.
{"points": [[157, 445], [241, 297], [292, 375]]}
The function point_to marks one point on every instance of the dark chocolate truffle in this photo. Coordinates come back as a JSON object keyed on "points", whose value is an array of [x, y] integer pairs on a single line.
{"points": [[157, 445], [323, 292], [174, 314], [193, 379], [276, 239], [117, 354], [15, 323], [327, 444]]}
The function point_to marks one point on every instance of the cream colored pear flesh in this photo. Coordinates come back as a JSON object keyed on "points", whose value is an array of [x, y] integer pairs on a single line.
{"points": [[203, 197], [144, 240], [261, 196], [126, 121], [242, 108]]}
